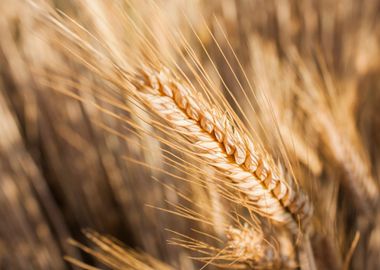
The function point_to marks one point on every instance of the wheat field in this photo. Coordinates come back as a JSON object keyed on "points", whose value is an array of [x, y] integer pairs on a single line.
{"points": [[234, 134]]}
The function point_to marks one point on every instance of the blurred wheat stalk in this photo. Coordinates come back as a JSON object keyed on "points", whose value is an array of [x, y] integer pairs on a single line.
{"points": [[202, 134]]}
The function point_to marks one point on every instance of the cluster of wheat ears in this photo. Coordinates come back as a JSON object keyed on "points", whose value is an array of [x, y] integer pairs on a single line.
{"points": [[229, 134]]}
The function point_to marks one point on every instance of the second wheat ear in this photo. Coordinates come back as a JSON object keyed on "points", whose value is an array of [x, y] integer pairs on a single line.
{"points": [[225, 147]]}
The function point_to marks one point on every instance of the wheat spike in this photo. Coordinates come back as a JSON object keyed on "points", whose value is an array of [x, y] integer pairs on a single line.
{"points": [[218, 141], [249, 247], [215, 138]]}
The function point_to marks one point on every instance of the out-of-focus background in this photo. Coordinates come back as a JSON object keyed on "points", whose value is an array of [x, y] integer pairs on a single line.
{"points": [[61, 173]]}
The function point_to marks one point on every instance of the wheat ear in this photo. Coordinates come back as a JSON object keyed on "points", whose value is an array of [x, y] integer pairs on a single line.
{"points": [[216, 139], [248, 246], [223, 146]]}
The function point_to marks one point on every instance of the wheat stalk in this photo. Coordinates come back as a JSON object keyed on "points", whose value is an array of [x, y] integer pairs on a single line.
{"points": [[218, 141]]}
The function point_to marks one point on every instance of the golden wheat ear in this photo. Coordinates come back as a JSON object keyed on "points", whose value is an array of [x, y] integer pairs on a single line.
{"points": [[223, 145], [205, 132], [212, 137]]}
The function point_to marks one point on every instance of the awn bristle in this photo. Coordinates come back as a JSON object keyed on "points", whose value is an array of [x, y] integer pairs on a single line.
{"points": [[113, 254], [218, 141]]}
